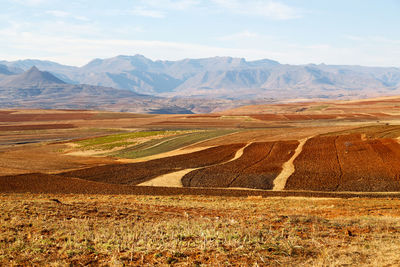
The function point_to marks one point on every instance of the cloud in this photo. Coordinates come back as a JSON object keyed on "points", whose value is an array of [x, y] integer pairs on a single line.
{"points": [[31, 2], [63, 14], [145, 12], [239, 36], [265, 8], [80, 50], [159, 8], [171, 4]]}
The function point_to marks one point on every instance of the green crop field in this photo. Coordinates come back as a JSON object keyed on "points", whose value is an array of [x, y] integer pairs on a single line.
{"points": [[153, 147], [120, 140]]}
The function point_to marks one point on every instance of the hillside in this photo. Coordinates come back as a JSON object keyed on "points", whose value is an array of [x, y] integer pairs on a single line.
{"points": [[226, 77], [41, 89]]}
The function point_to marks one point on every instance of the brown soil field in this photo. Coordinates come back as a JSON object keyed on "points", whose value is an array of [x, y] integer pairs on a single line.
{"points": [[6, 111], [36, 127], [39, 183], [268, 117], [283, 133], [347, 163], [204, 116], [136, 173], [45, 183], [316, 168], [256, 168], [224, 174], [270, 123], [16, 117], [262, 174], [44, 159], [372, 132], [363, 169]]}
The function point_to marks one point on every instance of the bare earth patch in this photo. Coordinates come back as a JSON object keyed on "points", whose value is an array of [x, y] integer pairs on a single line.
{"points": [[288, 167]]}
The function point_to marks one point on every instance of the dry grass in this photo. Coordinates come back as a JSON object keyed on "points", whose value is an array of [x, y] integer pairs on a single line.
{"points": [[150, 230]]}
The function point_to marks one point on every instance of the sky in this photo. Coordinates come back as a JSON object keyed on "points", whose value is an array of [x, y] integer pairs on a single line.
{"points": [[73, 32]]}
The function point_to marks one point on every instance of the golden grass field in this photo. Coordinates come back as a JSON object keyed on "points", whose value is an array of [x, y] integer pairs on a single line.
{"points": [[117, 230]]}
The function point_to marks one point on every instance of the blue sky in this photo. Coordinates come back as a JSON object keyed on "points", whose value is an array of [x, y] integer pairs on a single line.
{"points": [[356, 32]]}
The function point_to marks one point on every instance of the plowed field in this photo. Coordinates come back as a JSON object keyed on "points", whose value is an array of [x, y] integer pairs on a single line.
{"points": [[16, 117], [135, 173], [256, 168], [36, 127], [39, 183], [347, 163]]}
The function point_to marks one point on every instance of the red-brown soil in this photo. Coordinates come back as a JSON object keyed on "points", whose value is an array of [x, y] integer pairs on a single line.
{"points": [[17, 117], [347, 163], [316, 168], [45, 159], [45, 183], [363, 169], [256, 168], [268, 117], [38, 183], [262, 174], [136, 173], [35, 127]]}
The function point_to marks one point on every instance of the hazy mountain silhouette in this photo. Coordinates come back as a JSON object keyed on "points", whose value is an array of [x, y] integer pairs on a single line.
{"points": [[38, 89], [32, 77], [226, 77]]}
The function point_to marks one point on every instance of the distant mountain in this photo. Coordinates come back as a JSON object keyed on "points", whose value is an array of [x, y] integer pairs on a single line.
{"points": [[41, 89], [32, 77], [225, 78]]}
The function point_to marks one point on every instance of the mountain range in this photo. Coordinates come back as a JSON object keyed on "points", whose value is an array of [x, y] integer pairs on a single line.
{"points": [[221, 77], [41, 89]]}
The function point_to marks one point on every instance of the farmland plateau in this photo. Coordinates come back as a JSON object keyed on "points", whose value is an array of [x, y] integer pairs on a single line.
{"points": [[313, 183]]}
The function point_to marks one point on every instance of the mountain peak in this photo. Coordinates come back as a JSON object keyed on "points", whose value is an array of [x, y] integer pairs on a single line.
{"points": [[33, 69], [32, 77]]}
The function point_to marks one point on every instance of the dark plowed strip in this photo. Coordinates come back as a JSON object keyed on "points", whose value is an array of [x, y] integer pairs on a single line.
{"points": [[36, 127], [364, 169], [54, 184], [389, 151], [44, 117], [136, 173], [262, 174], [46, 183], [256, 168], [347, 163], [224, 174], [317, 167]]}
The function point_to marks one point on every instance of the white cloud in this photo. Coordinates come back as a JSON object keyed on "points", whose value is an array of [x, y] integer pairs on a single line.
{"points": [[31, 2], [265, 8], [76, 44], [239, 36], [63, 14], [145, 12], [159, 8], [171, 4]]}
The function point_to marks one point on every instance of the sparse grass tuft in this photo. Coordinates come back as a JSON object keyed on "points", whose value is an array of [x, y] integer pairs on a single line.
{"points": [[195, 230]]}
